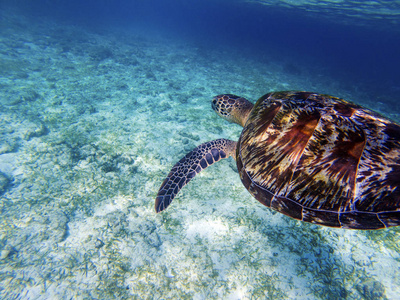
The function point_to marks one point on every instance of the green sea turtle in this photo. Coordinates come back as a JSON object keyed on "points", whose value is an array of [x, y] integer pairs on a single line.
{"points": [[312, 157]]}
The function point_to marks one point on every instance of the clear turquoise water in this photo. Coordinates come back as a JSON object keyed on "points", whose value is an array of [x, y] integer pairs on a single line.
{"points": [[95, 111]]}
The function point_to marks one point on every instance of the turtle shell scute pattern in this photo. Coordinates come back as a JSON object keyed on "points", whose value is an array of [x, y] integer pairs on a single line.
{"points": [[323, 160]]}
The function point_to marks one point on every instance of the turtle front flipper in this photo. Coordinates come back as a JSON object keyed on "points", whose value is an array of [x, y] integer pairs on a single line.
{"points": [[188, 167]]}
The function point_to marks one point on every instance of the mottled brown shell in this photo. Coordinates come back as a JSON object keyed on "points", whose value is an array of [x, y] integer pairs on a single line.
{"points": [[323, 160]]}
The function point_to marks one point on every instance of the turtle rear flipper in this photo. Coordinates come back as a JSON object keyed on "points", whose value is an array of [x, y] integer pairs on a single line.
{"points": [[188, 167]]}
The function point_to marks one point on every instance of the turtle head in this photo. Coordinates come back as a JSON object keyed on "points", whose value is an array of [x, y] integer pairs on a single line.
{"points": [[232, 108]]}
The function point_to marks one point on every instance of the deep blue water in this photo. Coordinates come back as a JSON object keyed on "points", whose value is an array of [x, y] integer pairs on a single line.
{"points": [[365, 51]]}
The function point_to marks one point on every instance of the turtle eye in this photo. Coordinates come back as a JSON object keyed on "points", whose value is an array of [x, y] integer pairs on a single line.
{"points": [[217, 105]]}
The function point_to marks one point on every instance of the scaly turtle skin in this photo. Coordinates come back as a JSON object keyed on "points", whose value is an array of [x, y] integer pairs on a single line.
{"points": [[312, 157]]}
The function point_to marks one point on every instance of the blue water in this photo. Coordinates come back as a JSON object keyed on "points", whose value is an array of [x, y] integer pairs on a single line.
{"points": [[363, 49], [99, 99]]}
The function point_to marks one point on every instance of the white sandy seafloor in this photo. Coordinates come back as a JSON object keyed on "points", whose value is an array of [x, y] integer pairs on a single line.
{"points": [[92, 122]]}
